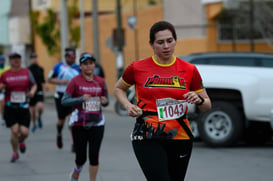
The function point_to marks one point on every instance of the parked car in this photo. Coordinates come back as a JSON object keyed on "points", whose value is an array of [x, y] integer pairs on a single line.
{"points": [[231, 59], [240, 87]]}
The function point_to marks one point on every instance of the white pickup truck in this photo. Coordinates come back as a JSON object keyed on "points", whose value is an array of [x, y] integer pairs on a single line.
{"points": [[241, 95]]}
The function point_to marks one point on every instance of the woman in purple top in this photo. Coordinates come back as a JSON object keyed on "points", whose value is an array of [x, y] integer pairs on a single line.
{"points": [[87, 93]]}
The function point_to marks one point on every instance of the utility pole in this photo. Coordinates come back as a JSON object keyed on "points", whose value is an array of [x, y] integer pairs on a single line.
{"points": [[32, 28], [82, 12], [251, 24], [135, 30], [64, 26], [96, 46], [233, 24], [120, 41]]}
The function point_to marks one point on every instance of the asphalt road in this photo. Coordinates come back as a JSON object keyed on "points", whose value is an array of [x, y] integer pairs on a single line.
{"points": [[44, 162]]}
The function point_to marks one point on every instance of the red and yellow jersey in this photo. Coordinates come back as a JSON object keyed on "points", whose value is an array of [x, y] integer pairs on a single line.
{"points": [[156, 81]]}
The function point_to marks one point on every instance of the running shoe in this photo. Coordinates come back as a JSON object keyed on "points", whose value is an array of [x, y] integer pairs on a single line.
{"points": [[14, 158], [33, 129], [22, 147], [59, 141], [40, 123], [74, 176]]}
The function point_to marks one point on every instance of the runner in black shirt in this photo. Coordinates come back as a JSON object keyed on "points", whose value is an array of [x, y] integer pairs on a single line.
{"points": [[37, 100]]}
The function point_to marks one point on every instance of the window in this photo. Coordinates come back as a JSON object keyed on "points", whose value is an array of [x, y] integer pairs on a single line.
{"points": [[236, 61], [235, 24], [41, 4], [266, 62], [200, 61]]}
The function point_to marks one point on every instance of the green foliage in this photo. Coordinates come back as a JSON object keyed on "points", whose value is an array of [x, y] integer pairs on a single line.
{"points": [[75, 36], [73, 30], [46, 30], [151, 2], [49, 32]]}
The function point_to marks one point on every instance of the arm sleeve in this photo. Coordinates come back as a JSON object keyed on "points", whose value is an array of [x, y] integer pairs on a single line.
{"points": [[105, 93], [67, 100], [53, 73], [128, 75], [31, 78], [43, 77]]}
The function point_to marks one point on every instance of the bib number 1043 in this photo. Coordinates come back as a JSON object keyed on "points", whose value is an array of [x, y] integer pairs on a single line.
{"points": [[169, 108]]}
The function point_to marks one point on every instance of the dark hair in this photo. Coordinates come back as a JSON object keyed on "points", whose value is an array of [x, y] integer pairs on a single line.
{"points": [[160, 26], [33, 55], [70, 51], [14, 55]]}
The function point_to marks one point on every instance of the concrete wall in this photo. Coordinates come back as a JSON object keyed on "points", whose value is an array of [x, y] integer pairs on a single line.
{"points": [[4, 15], [187, 17]]}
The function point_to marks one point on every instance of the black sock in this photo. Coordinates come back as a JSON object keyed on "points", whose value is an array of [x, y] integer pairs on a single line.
{"points": [[59, 129]]}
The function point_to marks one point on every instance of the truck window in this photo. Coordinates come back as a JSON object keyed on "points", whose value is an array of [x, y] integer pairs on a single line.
{"points": [[199, 61], [266, 62], [236, 61]]}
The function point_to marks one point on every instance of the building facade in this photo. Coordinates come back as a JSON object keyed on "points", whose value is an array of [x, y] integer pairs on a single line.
{"points": [[196, 22]]}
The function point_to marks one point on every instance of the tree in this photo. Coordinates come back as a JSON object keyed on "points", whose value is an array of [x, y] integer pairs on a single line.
{"points": [[49, 31]]}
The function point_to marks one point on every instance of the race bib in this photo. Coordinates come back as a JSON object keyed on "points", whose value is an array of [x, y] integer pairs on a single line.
{"points": [[93, 104], [18, 97], [169, 108]]}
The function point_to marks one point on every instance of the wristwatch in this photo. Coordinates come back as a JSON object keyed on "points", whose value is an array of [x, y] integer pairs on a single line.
{"points": [[202, 100]]}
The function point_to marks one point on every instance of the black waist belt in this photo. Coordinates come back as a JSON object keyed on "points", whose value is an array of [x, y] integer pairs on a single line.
{"points": [[16, 105], [185, 127], [140, 119]]}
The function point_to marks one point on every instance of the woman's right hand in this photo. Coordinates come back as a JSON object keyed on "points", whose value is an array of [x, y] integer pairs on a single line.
{"points": [[120, 93], [85, 97], [133, 110]]}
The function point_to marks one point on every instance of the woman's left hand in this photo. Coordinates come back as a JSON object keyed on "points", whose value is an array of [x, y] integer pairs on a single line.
{"points": [[192, 97], [134, 110], [85, 97], [30, 94], [103, 100]]}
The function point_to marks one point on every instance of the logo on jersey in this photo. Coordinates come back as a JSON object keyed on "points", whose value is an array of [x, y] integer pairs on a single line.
{"points": [[166, 82]]}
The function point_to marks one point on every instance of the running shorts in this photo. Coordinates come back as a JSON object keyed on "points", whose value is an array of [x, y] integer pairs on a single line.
{"points": [[62, 111], [38, 97], [13, 115]]}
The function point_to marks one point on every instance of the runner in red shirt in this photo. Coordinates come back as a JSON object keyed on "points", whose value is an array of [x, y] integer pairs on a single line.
{"points": [[19, 85], [86, 93], [165, 85]]}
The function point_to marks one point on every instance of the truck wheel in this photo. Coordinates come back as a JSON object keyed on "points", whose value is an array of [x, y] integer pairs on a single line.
{"points": [[194, 130], [221, 126], [193, 118]]}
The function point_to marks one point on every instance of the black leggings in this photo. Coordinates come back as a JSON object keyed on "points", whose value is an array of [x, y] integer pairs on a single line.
{"points": [[81, 137], [163, 160]]}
